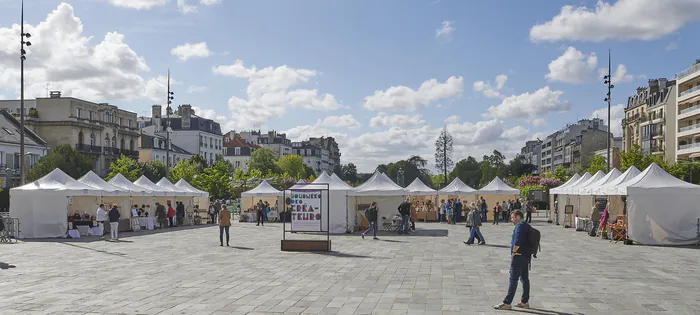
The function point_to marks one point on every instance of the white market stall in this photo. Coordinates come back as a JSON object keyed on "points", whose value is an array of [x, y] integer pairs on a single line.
{"points": [[583, 203], [338, 203], [557, 191], [160, 194], [42, 206], [423, 200], [566, 199], [587, 192], [615, 204], [497, 191], [201, 199], [661, 209], [458, 189], [139, 195], [380, 189], [112, 195], [263, 192], [340, 182]]}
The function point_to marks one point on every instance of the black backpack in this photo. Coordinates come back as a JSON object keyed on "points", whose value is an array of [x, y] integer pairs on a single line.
{"points": [[533, 240]]}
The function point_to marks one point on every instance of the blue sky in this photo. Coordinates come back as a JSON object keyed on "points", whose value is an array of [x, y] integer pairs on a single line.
{"points": [[354, 69]]}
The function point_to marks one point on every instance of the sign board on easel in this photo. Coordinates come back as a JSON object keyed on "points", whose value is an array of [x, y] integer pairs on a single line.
{"points": [[306, 210], [307, 206]]}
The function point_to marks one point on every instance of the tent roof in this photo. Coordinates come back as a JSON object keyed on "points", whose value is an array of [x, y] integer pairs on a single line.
{"points": [[91, 179], [340, 181], [498, 187], [417, 187], [458, 187], [558, 190], [121, 182], [146, 183], [590, 189], [583, 179], [263, 189], [378, 185], [301, 184], [655, 177], [183, 184], [333, 184], [609, 188], [60, 182], [583, 184], [166, 184]]}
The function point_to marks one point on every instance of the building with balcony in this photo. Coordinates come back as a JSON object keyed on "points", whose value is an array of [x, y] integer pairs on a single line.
{"points": [[193, 134], [237, 150], [34, 148], [99, 130], [649, 115], [688, 113], [277, 142], [531, 153], [154, 148], [329, 144], [616, 146], [317, 157], [554, 149]]}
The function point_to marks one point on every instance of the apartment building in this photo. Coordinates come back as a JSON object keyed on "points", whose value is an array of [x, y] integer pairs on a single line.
{"points": [[277, 142], [650, 119], [616, 148], [237, 150], [531, 153], [317, 157], [559, 148], [34, 148], [154, 148], [688, 112], [193, 134], [99, 130], [328, 143]]}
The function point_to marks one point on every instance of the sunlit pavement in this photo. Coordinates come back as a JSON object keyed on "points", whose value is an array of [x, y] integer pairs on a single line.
{"points": [[185, 271]]}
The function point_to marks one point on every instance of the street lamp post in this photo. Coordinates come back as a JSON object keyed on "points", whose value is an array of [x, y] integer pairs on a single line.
{"points": [[167, 128], [22, 58], [608, 81]]}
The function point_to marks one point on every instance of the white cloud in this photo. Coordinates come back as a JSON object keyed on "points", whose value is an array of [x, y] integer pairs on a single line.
{"points": [[673, 45], [529, 105], [617, 113], [625, 19], [572, 67], [197, 89], [211, 114], [138, 4], [301, 133], [62, 56], [270, 94], [620, 75], [446, 29], [400, 121], [405, 98], [209, 2], [452, 119], [187, 51], [539, 122], [488, 90], [344, 121], [185, 8]]}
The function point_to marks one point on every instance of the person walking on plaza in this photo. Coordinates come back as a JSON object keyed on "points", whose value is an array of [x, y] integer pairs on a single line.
{"points": [[520, 255], [448, 212], [556, 210], [102, 218], [114, 216], [260, 212], [180, 213], [496, 213], [371, 214], [171, 214], [470, 219], [405, 212], [458, 210], [217, 209], [224, 225], [441, 212], [476, 231], [595, 219], [484, 209], [528, 208], [161, 215]]}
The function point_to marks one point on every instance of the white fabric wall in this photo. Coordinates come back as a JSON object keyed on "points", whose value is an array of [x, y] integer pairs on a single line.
{"points": [[662, 216], [492, 199], [587, 202], [40, 214], [387, 206], [338, 211]]}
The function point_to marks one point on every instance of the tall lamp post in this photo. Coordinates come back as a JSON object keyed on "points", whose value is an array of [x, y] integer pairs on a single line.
{"points": [[22, 58], [167, 128], [608, 81]]}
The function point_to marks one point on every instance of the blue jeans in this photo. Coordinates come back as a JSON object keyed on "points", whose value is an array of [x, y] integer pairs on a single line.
{"points": [[405, 224], [475, 232], [484, 217], [473, 236], [518, 271], [556, 216], [373, 227], [221, 234]]}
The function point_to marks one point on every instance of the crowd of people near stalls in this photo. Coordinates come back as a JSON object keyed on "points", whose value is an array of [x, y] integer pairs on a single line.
{"points": [[453, 210]]}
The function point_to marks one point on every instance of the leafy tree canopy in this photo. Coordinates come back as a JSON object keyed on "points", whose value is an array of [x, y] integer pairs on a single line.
{"points": [[126, 166], [264, 159], [65, 158]]}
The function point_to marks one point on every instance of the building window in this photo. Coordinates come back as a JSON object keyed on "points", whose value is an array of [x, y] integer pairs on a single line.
{"points": [[201, 140], [122, 142], [119, 121], [89, 115], [237, 151], [92, 140], [77, 112], [129, 122], [107, 141], [131, 144], [80, 139], [114, 141]]}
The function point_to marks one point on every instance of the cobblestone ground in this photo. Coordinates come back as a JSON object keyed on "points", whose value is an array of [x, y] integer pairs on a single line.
{"points": [[184, 271]]}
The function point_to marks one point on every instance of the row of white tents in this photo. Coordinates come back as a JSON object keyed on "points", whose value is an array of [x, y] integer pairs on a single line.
{"points": [[345, 202], [43, 206], [660, 208]]}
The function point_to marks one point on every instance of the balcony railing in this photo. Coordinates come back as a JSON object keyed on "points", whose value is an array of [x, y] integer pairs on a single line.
{"points": [[691, 127], [688, 91], [689, 71], [689, 109], [689, 146], [86, 148]]}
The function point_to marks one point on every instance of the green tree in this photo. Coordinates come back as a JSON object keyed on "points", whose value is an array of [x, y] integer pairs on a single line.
{"points": [[637, 158], [412, 168], [153, 170], [597, 163], [382, 168], [443, 153], [215, 180], [184, 169], [65, 158], [200, 161], [264, 159], [293, 165], [438, 181], [349, 173], [469, 171], [126, 166], [562, 173]]}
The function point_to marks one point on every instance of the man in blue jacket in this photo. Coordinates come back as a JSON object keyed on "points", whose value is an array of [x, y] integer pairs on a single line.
{"points": [[520, 253]]}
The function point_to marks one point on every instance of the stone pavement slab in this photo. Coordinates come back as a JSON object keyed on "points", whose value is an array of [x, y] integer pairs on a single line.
{"points": [[185, 271]]}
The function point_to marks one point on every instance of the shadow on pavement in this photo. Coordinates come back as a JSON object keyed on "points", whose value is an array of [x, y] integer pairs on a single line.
{"points": [[97, 250], [122, 235], [241, 247], [498, 246], [542, 312], [339, 254], [6, 266]]}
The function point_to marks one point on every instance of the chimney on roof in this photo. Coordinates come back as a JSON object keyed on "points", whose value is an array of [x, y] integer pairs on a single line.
{"points": [[186, 114], [156, 112], [55, 94], [663, 83]]}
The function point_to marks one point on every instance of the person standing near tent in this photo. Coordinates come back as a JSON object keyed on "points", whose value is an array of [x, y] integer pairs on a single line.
{"points": [[405, 211], [448, 212], [160, 214], [180, 213], [595, 219], [458, 210], [475, 231], [260, 212], [224, 225], [102, 218], [371, 214], [171, 214], [528, 208], [519, 263], [556, 210], [470, 219], [114, 216], [484, 209], [496, 212], [217, 209]]}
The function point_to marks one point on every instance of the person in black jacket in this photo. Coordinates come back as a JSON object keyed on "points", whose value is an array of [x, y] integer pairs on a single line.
{"points": [[180, 212], [405, 211], [371, 213], [114, 216]]}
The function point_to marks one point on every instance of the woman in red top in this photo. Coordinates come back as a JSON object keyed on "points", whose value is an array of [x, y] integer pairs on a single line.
{"points": [[171, 214], [496, 211]]}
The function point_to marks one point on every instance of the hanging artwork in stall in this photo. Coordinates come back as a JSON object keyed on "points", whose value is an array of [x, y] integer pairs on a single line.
{"points": [[306, 210]]}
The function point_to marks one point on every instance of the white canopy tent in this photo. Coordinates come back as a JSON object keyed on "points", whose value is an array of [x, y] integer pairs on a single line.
{"points": [[612, 187], [147, 184], [340, 181], [122, 183], [572, 199], [380, 189], [584, 202], [418, 188], [591, 189], [457, 187], [574, 189], [112, 195], [42, 206], [165, 183], [497, 191], [661, 209], [264, 191], [201, 199], [338, 202], [558, 191]]}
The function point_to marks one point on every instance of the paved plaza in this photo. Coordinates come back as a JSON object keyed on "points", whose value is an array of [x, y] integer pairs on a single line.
{"points": [[184, 271]]}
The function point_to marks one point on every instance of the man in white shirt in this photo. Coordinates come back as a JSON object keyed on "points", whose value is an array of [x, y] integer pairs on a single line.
{"points": [[102, 218]]}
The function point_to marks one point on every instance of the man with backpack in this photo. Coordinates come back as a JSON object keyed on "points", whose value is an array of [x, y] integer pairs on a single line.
{"points": [[524, 244]]}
